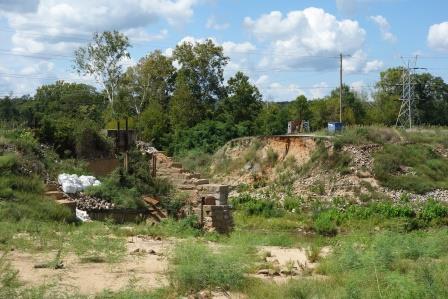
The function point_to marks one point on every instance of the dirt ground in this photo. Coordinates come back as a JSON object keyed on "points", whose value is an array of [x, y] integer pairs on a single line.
{"points": [[140, 270], [145, 269]]}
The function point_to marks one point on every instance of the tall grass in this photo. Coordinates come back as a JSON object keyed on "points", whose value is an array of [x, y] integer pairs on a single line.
{"points": [[196, 267], [412, 167]]}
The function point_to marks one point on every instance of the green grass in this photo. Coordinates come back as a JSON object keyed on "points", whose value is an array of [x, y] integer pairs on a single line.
{"points": [[94, 242], [412, 167], [368, 135], [196, 267]]}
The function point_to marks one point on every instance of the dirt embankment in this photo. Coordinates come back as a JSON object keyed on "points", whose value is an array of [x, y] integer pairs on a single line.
{"points": [[244, 160], [274, 158]]}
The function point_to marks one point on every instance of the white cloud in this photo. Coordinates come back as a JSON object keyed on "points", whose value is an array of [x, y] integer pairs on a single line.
{"points": [[319, 90], [62, 25], [139, 35], [384, 27], [212, 23], [310, 38], [373, 66], [281, 92], [438, 36]]}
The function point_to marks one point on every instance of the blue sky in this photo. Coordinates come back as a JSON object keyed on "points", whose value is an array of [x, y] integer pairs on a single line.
{"points": [[286, 47]]}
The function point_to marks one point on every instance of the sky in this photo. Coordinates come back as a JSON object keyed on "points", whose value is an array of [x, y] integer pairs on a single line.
{"points": [[286, 47]]}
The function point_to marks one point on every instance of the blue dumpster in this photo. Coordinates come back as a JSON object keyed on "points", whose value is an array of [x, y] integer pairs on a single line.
{"points": [[335, 127]]}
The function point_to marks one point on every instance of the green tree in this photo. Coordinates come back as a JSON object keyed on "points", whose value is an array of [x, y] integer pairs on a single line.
{"points": [[151, 79], [243, 101], [431, 99], [153, 124], [272, 120], [384, 109], [102, 59], [299, 109], [184, 109], [203, 63]]}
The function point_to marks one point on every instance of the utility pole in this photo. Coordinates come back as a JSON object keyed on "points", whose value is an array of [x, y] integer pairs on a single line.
{"points": [[340, 88]]}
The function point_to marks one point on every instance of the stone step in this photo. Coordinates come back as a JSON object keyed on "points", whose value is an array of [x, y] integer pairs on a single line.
{"points": [[186, 187], [193, 175], [198, 182], [67, 203], [51, 187], [174, 176], [57, 195], [176, 165]]}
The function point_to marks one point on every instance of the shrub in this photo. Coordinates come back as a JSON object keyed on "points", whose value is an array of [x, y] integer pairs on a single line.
{"points": [[292, 203], [256, 206], [325, 224], [196, 267], [433, 210], [411, 167]]}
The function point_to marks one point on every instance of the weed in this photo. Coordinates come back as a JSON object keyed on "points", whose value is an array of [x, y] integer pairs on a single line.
{"points": [[196, 267], [313, 253], [325, 224], [94, 243], [271, 157]]}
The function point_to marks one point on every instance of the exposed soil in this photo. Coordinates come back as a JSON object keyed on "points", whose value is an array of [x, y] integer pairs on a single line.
{"points": [[144, 268], [141, 269]]}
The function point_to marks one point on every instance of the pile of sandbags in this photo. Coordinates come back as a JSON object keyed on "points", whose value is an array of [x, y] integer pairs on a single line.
{"points": [[72, 183]]}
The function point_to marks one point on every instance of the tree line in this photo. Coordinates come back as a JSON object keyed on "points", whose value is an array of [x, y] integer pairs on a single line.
{"points": [[182, 102]]}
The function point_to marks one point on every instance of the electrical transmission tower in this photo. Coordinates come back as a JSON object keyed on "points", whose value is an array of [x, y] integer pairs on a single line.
{"points": [[406, 115]]}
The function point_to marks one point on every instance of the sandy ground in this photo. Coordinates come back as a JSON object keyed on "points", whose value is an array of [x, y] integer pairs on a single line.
{"points": [[143, 270], [285, 258]]}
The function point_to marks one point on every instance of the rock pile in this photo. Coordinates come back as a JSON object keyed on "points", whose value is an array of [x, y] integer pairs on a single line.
{"points": [[88, 203], [437, 195]]}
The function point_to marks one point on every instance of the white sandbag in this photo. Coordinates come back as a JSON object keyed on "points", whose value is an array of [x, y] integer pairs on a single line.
{"points": [[69, 187], [82, 215], [62, 177], [71, 183]]}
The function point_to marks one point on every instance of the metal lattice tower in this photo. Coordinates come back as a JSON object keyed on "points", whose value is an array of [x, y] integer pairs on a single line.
{"points": [[405, 115]]}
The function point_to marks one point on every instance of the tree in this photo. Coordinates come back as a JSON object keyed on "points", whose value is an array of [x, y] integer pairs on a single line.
{"points": [[243, 101], [184, 109], [203, 63], [299, 109], [102, 59], [386, 105], [273, 119], [151, 79], [153, 123], [431, 99]]}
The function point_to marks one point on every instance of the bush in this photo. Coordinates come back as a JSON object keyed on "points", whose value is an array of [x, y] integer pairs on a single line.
{"points": [[411, 167], [257, 206], [433, 210], [292, 203], [196, 267], [325, 225]]}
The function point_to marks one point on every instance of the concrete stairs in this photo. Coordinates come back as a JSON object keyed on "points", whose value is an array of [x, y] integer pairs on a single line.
{"points": [[189, 182]]}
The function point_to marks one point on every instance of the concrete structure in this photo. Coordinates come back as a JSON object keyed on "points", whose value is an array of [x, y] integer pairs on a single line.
{"points": [[207, 201]]}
